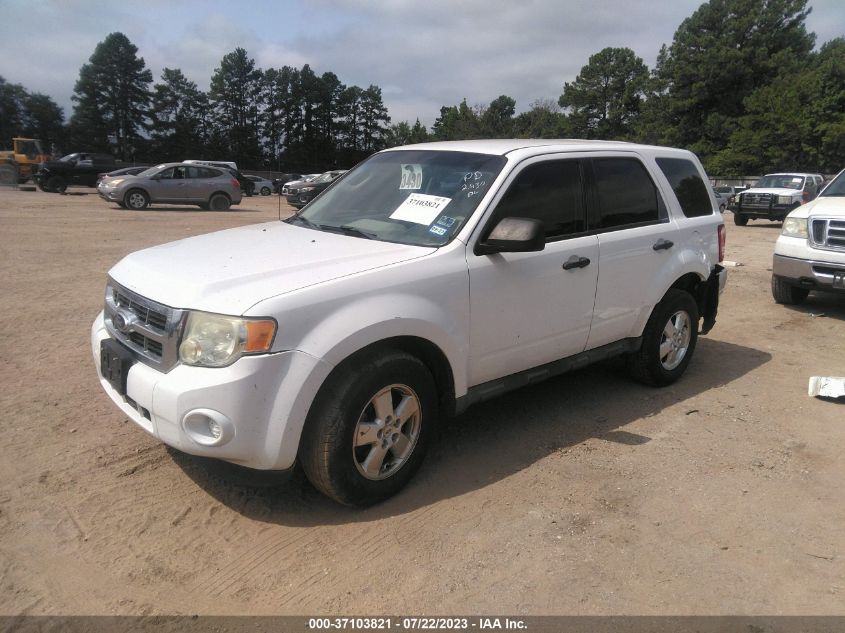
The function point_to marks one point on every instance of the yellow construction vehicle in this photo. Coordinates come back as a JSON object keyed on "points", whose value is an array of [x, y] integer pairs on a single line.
{"points": [[26, 156]]}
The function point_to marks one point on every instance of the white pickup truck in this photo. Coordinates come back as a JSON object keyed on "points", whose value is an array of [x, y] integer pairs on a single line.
{"points": [[428, 278], [810, 251]]}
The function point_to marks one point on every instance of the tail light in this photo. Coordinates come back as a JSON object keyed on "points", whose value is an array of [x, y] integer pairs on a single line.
{"points": [[805, 197], [721, 243], [235, 183]]}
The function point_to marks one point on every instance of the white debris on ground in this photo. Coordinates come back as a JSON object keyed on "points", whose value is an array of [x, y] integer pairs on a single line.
{"points": [[827, 387]]}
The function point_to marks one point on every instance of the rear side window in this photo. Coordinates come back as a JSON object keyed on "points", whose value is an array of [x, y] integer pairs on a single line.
{"points": [[550, 192], [626, 194], [688, 186]]}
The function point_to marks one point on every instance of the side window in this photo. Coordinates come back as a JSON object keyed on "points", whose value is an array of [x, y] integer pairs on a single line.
{"points": [[688, 186], [626, 194], [550, 192], [167, 174]]}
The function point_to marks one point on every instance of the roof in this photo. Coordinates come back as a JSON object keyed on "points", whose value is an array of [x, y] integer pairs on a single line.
{"points": [[526, 146]]}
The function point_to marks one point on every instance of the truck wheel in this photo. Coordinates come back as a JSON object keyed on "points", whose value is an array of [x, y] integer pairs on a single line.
{"points": [[56, 184], [669, 340], [787, 294], [219, 202], [136, 199], [739, 219], [369, 427]]}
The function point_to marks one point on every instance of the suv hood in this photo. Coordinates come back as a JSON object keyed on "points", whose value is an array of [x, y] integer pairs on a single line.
{"points": [[825, 206], [777, 191], [229, 271]]}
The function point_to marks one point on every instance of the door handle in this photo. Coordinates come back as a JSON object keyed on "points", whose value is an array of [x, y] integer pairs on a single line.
{"points": [[662, 245], [576, 262]]}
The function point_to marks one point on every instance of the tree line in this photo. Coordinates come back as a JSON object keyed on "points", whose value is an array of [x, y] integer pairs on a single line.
{"points": [[740, 84]]}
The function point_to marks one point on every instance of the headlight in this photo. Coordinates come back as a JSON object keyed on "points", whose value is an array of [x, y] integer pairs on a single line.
{"points": [[794, 227], [115, 182], [784, 199], [308, 189], [215, 340]]}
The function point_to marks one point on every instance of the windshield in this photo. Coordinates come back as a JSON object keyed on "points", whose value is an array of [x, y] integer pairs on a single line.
{"points": [[781, 181], [419, 197], [326, 177], [69, 158], [836, 186]]}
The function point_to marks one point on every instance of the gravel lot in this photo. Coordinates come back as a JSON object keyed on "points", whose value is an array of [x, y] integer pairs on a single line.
{"points": [[587, 494]]}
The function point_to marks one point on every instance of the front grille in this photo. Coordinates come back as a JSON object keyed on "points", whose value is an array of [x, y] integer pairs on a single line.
{"points": [[828, 233], [150, 330], [756, 200]]}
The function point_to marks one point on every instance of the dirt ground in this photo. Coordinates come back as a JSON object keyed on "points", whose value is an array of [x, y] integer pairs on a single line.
{"points": [[587, 494]]}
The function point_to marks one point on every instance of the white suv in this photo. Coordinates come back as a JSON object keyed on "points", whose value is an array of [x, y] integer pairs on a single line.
{"points": [[428, 278], [810, 252]]}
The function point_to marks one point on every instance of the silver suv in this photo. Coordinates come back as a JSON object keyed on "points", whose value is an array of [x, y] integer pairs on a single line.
{"points": [[173, 183]]}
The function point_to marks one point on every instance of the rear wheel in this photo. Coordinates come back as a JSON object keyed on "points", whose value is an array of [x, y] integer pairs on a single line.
{"points": [[219, 202], [669, 340], [265, 191], [739, 219], [136, 199], [368, 430], [787, 294]]}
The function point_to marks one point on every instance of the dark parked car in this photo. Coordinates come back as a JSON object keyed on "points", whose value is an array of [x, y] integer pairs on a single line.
{"points": [[300, 195], [125, 171], [79, 168]]}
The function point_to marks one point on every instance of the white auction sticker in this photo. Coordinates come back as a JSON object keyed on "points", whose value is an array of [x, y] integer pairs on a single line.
{"points": [[420, 208], [411, 177]]}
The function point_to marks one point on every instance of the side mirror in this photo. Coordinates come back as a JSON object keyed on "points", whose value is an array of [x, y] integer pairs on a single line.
{"points": [[513, 235]]}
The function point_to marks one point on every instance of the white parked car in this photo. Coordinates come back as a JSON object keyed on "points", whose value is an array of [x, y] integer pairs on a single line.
{"points": [[262, 185], [810, 252], [429, 278]]}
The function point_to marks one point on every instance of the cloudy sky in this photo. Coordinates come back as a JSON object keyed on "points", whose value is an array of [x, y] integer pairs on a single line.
{"points": [[423, 54]]}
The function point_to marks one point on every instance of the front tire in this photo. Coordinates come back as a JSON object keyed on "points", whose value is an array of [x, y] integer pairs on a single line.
{"points": [[136, 200], [739, 219], [669, 340], [368, 430], [787, 294], [56, 184]]}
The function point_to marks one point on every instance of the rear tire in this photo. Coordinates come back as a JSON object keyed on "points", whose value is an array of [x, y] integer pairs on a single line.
{"points": [[369, 427], [219, 202], [787, 294], [265, 191], [739, 219], [669, 340]]}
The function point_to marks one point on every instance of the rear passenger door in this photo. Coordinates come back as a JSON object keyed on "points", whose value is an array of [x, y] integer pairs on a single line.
{"points": [[527, 309], [636, 238]]}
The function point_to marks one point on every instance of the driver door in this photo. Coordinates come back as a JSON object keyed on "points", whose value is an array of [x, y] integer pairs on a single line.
{"points": [[527, 309]]}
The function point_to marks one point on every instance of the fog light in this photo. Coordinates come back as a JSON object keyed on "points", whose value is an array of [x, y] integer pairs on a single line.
{"points": [[208, 427]]}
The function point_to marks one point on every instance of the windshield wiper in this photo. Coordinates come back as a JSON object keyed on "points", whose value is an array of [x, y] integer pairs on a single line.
{"points": [[329, 228]]}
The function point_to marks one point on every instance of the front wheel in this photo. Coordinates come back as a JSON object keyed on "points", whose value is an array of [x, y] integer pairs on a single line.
{"points": [[56, 184], [136, 200], [739, 219], [787, 294], [368, 430], [669, 340]]}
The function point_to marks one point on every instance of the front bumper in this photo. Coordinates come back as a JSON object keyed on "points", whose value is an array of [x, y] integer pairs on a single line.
{"points": [[259, 403], [768, 212], [808, 273]]}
